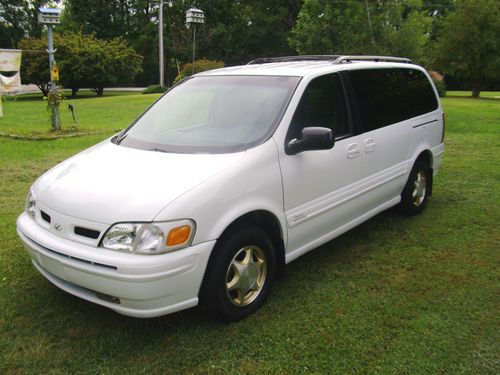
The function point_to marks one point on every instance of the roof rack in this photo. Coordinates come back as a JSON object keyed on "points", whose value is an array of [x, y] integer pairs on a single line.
{"points": [[334, 59]]}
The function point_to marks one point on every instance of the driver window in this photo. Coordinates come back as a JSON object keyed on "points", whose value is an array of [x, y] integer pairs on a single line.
{"points": [[322, 104]]}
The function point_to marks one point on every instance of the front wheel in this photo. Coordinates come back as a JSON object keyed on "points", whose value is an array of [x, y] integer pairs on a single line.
{"points": [[417, 189], [240, 275]]}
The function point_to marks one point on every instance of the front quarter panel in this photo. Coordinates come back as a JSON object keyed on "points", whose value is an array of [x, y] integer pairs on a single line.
{"points": [[253, 183]]}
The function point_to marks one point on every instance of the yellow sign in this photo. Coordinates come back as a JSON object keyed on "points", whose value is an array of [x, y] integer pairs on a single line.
{"points": [[54, 73]]}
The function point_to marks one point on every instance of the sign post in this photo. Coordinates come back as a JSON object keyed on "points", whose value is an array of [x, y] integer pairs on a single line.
{"points": [[194, 16], [51, 17]]}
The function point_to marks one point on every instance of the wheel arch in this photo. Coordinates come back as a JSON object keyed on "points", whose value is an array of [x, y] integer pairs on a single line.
{"points": [[427, 157], [269, 223]]}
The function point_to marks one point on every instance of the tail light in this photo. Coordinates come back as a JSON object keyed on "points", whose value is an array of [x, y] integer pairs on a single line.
{"points": [[442, 135]]}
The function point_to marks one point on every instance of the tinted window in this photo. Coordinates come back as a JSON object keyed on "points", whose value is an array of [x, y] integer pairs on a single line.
{"points": [[322, 104], [387, 96]]}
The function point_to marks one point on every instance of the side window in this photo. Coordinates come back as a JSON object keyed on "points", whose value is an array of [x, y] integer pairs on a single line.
{"points": [[322, 104], [388, 96]]}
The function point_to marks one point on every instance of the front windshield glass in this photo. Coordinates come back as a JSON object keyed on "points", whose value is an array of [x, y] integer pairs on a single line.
{"points": [[213, 114]]}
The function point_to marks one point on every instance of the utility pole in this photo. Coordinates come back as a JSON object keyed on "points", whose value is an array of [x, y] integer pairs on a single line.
{"points": [[194, 46], [160, 46]]}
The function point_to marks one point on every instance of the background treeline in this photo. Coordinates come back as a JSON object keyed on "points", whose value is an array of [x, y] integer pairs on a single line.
{"points": [[456, 37]]}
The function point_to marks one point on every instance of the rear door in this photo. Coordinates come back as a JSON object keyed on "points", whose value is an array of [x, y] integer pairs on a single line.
{"points": [[393, 103]]}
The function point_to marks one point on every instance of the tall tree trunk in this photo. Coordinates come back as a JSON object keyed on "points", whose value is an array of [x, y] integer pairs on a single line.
{"points": [[475, 91]]}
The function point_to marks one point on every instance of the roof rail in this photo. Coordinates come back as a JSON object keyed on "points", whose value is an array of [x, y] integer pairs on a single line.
{"points": [[267, 60], [334, 59], [350, 58]]}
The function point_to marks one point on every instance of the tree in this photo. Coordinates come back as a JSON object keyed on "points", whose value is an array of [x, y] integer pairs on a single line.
{"points": [[331, 28], [353, 27], [133, 20], [83, 60], [86, 61], [19, 19], [35, 63], [467, 46], [235, 31]]}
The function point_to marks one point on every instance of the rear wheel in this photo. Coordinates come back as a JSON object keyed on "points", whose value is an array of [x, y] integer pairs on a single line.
{"points": [[416, 191], [240, 274]]}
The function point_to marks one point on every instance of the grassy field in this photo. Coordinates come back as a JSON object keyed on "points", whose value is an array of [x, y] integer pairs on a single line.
{"points": [[394, 296], [113, 111], [483, 94]]}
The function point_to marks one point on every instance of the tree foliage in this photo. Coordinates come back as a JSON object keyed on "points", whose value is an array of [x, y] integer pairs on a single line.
{"points": [[86, 61], [235, 31], [468, 43], [83, 60], [454, 36], [199, 66], [19, 19], [35, 63], [353, 27]]}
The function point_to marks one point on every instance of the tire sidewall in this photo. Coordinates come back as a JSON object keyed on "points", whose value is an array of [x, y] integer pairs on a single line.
{"points": [[407, 206], [214, 296]]}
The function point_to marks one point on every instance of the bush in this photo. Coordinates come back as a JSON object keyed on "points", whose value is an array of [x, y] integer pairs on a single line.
{"points": [[441, 88], [199, 66], [83, 60], [155, 89], [438, 80]]}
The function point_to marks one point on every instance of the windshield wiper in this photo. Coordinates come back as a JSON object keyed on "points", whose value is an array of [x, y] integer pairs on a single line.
{"points": [[157, 150], [120, 138]]}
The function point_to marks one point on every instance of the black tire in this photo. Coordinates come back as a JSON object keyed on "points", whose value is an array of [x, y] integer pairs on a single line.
{"points": [[417, 189], [229, 253]]}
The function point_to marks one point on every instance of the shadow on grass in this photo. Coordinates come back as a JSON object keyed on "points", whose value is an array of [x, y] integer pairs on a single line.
{"points": [[472, 98], [38, 97], [340, 255]]}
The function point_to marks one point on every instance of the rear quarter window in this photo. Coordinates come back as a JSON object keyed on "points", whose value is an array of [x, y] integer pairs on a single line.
{"points": [[388, 96]]}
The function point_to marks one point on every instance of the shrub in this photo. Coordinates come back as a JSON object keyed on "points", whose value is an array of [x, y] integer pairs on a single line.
{"points": [[438, 80], [154, 89], [199, 66], [441, 88], [84, 61]]}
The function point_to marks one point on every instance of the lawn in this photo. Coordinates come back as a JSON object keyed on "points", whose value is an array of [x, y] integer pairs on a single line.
{"points": [[396, 295], [109, 113], [483, 94]]}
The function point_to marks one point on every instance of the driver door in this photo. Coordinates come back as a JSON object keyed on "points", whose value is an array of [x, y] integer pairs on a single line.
{"points": [[321, 191]]}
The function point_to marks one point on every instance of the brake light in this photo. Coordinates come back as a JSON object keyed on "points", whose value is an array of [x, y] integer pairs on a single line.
{"points": [[442, 136]]}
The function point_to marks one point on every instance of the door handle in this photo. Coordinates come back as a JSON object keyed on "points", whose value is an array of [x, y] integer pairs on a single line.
{"points": [[370, 145], [352, 151]]}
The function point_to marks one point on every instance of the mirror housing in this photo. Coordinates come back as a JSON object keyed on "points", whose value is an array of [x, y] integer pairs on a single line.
{"points": [[311, 138]]}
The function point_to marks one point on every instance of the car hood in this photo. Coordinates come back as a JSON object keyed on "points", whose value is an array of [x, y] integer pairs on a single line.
{"points": [[109, 183]]}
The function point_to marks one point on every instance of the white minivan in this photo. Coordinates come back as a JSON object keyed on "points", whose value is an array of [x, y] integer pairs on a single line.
{"points": [[229, 176]]}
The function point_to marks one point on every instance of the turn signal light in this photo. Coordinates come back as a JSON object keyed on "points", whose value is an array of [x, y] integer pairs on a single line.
{"points": [[178, 235]]}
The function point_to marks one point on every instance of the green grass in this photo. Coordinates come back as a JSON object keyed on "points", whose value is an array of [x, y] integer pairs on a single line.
{"points": [[483, 94], [396, 295], [111, 112]]}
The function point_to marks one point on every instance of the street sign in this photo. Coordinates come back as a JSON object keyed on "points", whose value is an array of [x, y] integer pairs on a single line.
{"points": [[54, 73]]}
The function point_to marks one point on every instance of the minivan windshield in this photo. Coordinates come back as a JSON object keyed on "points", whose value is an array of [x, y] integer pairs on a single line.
{"points": [[213, 114]]}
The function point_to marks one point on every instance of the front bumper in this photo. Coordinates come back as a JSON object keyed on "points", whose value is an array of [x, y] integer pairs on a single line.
{"points": [[135, 285]]}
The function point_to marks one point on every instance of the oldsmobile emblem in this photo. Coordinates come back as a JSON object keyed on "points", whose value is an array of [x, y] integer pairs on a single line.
{"points": [[57, 226]]}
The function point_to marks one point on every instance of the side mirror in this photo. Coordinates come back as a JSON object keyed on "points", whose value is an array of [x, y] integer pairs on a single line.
{"points": [[312, 138]]}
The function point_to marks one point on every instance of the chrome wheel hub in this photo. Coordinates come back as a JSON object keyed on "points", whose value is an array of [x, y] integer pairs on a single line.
{"points": [[246, 275], [419, 189]]}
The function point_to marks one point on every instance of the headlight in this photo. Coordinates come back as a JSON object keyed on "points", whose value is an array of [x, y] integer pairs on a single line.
{"points": [[30, 204], [149, 238]]}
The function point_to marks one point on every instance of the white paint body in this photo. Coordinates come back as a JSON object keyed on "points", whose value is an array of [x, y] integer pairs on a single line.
{"points": [[315, 196]]}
